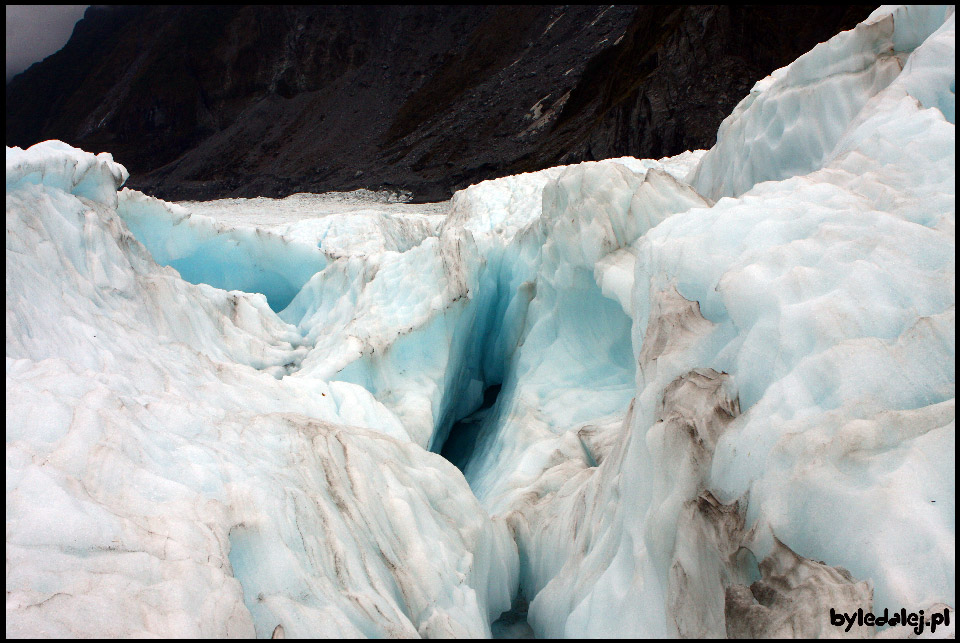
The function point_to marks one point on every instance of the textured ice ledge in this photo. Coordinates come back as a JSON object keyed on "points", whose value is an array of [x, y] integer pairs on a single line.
{"points": [[56, 164]]}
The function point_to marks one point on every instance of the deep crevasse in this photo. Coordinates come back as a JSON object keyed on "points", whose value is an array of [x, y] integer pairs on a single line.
{"points": [[694, 397]]}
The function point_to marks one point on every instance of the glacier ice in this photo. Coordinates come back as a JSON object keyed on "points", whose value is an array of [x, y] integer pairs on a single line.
{"points": [[163, 481], [767, 137], [202, 251], [707, 395]]}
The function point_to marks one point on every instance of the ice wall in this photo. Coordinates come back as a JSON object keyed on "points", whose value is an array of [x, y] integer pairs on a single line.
{"points": [[816, 316], [203, 251], [574, 360]]}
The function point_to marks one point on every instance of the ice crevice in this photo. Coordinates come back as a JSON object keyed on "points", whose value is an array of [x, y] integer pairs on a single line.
{"points": [[203, 251], [658, 414]]}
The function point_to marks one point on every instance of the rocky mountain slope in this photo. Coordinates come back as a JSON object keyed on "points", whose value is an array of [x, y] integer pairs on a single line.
{"points": [[203, 102]]}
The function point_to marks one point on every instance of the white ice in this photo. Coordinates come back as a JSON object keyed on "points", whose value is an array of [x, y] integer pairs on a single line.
{"points": [[161, 481], [725, 380]]}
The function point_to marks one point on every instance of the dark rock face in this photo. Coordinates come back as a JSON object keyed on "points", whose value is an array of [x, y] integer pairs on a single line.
{"points": [[206, 102]]}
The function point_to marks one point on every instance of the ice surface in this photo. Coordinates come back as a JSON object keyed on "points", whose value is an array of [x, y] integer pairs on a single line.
{"points": [[828, 300], [671, 416], [56, 164], [768, 136], [163, 481]]}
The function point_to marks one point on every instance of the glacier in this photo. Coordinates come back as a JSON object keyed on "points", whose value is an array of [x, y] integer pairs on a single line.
{"points": [[710, 395]]}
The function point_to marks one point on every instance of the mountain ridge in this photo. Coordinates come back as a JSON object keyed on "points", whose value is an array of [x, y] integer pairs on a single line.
{"points": [[230, 101]]}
